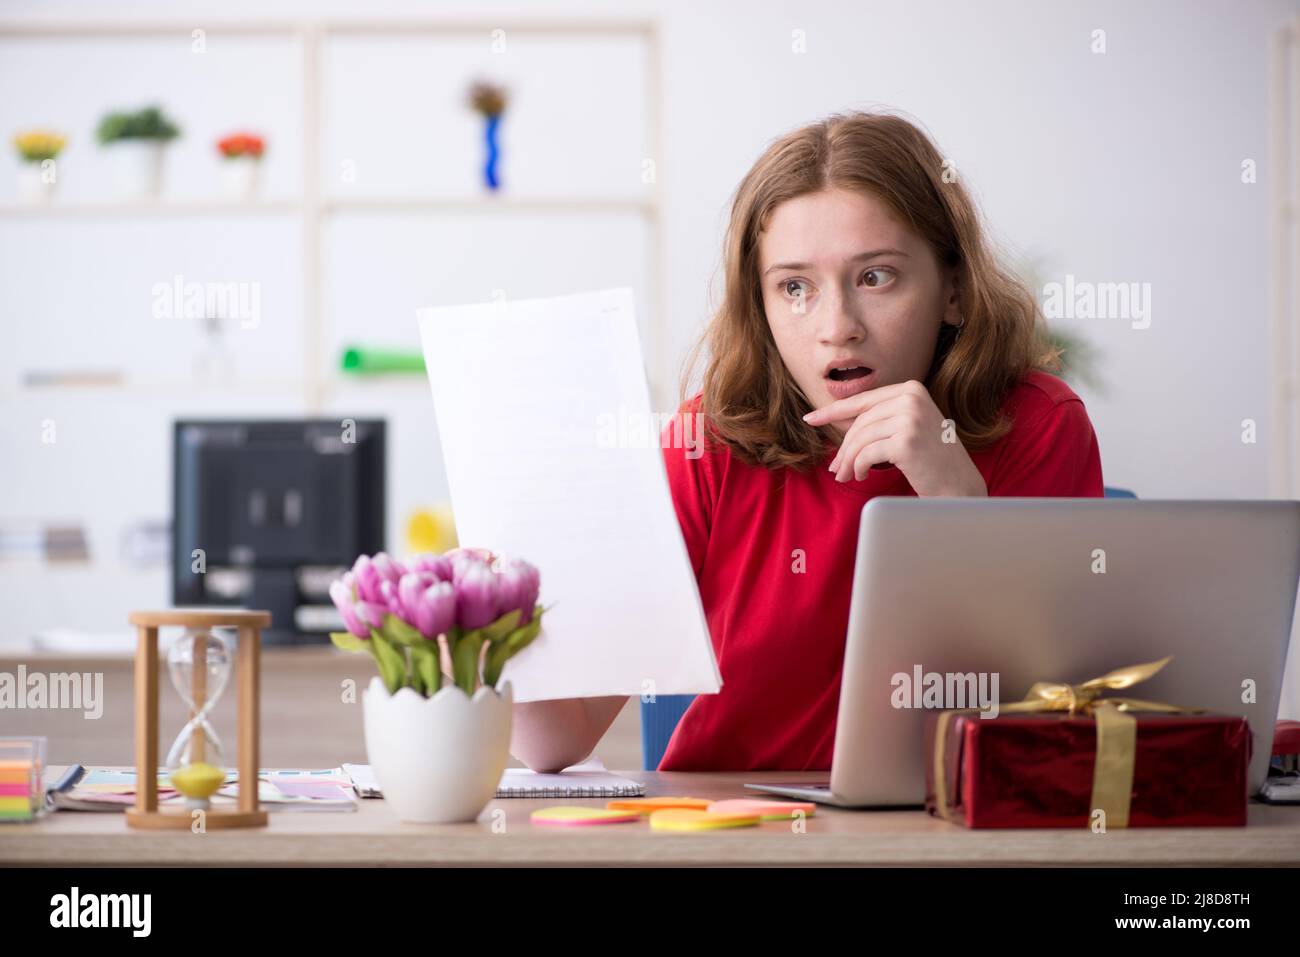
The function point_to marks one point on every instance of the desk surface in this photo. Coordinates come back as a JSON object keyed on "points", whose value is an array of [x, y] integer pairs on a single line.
{"points": [[373, 836]]}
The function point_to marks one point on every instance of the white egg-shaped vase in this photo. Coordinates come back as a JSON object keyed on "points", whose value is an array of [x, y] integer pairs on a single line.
{"points": [[437, 760]]}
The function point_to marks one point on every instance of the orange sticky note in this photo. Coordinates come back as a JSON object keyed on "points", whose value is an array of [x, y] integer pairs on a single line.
{"points": [[15, 772], [652, 804], [767, 810], [564, 816], [689, 819]]}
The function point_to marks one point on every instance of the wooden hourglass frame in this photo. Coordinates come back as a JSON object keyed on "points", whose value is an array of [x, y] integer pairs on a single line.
{"points": [[146, 814]]}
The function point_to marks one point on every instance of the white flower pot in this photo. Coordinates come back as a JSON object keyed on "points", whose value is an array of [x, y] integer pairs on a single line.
{"points": [[241, 177], [137, 168], [438, 760], [33, 185]]}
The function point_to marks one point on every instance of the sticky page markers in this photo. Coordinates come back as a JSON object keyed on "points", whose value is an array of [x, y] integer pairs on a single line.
{"points": [[22, 791]]}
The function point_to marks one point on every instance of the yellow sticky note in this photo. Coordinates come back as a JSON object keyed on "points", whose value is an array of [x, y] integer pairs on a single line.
{"points": [[689, 819], [651, 804], [564, 816]]}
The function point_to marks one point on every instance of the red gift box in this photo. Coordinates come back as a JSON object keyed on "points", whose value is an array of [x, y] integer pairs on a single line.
{"points": [[1037, 770]]}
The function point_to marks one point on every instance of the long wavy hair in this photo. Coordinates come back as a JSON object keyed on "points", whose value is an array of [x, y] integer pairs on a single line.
{"points": [[750, 401]]}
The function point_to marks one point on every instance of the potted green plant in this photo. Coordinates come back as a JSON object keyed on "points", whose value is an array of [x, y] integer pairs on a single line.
{"points": [[37, 177], [438, 742], [136, 142], [1078, 357]]}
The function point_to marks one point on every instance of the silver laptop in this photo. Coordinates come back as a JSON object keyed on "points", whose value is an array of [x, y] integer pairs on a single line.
{"points": [[1037, 589]]}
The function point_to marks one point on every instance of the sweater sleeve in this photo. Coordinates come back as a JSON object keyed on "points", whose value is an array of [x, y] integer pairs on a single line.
{"points": [[689, 468], [1056, 456]]}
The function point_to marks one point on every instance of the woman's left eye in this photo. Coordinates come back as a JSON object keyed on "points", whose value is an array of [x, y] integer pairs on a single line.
{"points": [[877, 277]]}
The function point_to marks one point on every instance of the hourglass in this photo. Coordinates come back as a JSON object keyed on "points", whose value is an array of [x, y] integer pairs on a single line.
{"points": [[200, 664]]}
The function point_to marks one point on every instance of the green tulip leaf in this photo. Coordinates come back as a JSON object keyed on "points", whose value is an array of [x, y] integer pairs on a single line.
{"points": [[501, 627], [426, 667], [504, 650], [347, 641], [496, 661], [392, 663], [399, 632], [413, 670], [464, 661], [520, 638]]}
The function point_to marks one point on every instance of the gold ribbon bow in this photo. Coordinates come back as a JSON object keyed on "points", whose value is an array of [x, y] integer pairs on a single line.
{"points": [[1112, 775]]}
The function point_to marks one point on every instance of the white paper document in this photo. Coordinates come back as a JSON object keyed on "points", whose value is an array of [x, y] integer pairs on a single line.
{"points": [[553, 454]]}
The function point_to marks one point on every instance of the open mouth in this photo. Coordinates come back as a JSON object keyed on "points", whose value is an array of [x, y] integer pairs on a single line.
{"points": [[846, 377], [849, 374]]}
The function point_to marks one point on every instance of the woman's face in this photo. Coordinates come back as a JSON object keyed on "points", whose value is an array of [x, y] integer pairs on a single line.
{"points": [[853, 297]]}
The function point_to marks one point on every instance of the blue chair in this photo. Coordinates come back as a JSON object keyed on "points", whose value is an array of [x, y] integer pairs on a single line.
{"points": [[659, 717]]}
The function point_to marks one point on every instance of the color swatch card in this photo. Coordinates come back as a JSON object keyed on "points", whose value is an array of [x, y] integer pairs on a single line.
{"points": [[114, 789], [553, 453]]}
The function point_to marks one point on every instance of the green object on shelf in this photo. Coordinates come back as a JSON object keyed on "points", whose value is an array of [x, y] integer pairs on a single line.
{"points": [[149, 123], [381, 361]]}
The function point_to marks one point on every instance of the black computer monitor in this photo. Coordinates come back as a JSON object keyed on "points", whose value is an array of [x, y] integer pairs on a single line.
{"points": [[267, 513]]}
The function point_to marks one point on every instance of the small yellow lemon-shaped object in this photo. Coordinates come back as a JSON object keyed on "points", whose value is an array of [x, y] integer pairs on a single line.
{"points": [[431, 530], [198, 780]]}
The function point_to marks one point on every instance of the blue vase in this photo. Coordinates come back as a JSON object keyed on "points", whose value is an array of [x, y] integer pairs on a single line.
{"points": [[493, 151]]}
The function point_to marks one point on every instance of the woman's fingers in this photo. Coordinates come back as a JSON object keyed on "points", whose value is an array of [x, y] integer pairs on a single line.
{"points": [[844, 409], [884, 410], [844, 465], [859, 435], [871, 454]]}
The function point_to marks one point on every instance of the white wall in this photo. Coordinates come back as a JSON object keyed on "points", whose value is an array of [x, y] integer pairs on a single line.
{"points": [[1124, 166]]}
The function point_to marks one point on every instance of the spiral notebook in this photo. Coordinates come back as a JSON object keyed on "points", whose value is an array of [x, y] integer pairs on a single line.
{"points": [[589, 779]]}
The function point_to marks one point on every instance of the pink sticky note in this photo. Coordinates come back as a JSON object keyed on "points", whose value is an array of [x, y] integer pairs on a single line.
{"points": [[768, 810]]}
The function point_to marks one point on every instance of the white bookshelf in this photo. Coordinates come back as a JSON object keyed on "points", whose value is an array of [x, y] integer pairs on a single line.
{"points": [[315, 210], [136, 210]]}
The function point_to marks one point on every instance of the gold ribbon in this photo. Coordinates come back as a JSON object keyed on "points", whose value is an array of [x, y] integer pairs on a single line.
{"points": [[1112, 775]]}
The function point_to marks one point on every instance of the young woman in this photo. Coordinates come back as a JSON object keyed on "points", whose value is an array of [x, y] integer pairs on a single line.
{"points": [[868, 343]]}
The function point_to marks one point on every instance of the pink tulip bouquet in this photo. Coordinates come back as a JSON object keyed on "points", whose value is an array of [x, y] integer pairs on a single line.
{"points": [[481, 609]]}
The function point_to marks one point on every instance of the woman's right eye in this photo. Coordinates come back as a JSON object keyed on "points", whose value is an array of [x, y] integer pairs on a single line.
{"points": [[794, 288]]}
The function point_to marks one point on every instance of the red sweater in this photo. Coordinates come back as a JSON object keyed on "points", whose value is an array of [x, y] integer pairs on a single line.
{"points": [[742, 524]]}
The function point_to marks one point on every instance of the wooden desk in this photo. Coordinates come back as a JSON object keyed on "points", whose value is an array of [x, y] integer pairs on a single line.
{"points": [[373, 836]]}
